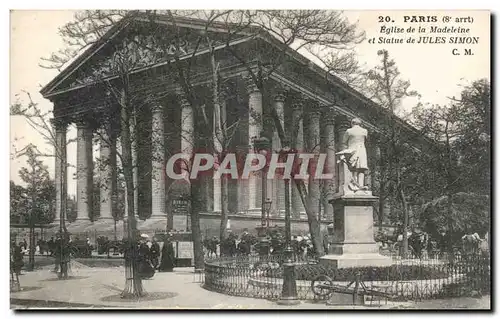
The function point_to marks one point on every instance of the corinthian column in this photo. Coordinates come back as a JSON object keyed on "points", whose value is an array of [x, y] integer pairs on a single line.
{"points": [[312, 141], [187, 128], [219, 125], [158, 186], [342, 123], [278, 184], [328, 148], [60, 128], [84, 173], [107, 168], [134, 136], [297, 141], [254, 130]]}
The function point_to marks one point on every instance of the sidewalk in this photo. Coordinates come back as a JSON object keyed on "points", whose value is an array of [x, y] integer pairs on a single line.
{"points": [[100, 287]]}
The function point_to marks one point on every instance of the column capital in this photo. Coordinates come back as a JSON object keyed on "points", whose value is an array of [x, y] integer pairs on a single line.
{"points": [[313, 107], [329, 114], [250, 84], [375, 137], [279, 96], [82, 123], [156, 107], [59, 125], [280, 91], [183, 100], [342, 122], [297, 103]]}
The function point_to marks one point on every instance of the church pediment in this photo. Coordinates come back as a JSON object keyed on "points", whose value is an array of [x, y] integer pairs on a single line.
{"points": [[136, 46]]}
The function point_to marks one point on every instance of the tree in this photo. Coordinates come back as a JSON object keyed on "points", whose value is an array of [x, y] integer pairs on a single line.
{"points": [[39, 120], [386, 88], [18, 203], [301, 29], [36, 177], [467, 213], [126, 57], [474, 145], [316, 31], [462, 131]]}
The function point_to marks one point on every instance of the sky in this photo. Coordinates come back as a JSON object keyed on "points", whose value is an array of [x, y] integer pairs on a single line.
{"points": [[432, 69]]}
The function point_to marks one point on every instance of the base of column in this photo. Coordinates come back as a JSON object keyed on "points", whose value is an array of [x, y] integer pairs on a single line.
{"points": [[158, 217], [105, 218], [253, 212]]}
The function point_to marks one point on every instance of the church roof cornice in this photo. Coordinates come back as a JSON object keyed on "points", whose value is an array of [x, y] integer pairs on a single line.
{"points": [[182, 22]]}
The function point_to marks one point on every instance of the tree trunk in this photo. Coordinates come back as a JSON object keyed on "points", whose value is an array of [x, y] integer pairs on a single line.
{"points": [[224, 207], [133, 284], [219, 137], [31, 263], [382, 195], [196, 207], [170, 213], [310, 208], [312, 219], [404, 205], [449, 209], [405, 222]]}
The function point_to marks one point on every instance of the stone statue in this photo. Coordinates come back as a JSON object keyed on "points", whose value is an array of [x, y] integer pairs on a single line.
{"points": [[354, 155]]}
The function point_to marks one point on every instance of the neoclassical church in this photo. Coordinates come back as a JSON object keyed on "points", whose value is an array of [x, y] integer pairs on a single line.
{"points": [[316, 105]]}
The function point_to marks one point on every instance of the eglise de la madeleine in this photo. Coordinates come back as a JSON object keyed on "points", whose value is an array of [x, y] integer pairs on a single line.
{"points": [[317, 105]]}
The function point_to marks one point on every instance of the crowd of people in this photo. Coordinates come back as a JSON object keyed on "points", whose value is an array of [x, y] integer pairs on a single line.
{"points": [[423, 245], [160, 256], [246, 244]]}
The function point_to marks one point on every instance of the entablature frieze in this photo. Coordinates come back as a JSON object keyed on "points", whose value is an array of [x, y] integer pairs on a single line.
{"points": [[342, 123], [324, 98], [328, 115]]}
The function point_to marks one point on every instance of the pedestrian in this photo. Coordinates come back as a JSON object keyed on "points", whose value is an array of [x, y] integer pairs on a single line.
{"points": [[50, 245], [17, 258], [326, 243], [295, 245], [57, 252], [154, 252], [146, 269], [167, 256]]}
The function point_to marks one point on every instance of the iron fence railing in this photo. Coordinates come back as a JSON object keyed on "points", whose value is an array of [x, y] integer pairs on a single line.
{"points": [[406, 279]]}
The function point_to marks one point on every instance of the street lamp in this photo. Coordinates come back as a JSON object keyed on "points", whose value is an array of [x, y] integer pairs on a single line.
{"points": [[184, 202], [267, 207], [289, 292], [262, 145]]}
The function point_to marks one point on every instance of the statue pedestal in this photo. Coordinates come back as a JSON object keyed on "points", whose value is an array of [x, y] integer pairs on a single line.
{"points": [[353, 243]]}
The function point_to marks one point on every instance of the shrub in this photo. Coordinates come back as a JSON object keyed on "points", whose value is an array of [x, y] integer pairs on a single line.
{"points": [[391, 273]]}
